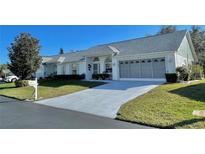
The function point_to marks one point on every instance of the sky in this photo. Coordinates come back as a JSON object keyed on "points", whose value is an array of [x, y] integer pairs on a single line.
{"points": [[52, 38]]}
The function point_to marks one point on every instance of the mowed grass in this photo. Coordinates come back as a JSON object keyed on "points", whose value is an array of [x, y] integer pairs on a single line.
{"points": [[46, 88], [167, 106]]}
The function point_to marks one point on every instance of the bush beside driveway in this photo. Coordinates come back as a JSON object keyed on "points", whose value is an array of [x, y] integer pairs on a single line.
{"points": [[167, 106], [46, 88]]}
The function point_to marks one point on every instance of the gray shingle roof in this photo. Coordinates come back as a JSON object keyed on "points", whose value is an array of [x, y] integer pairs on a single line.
{"points": [[150, 44], [157, 43]]}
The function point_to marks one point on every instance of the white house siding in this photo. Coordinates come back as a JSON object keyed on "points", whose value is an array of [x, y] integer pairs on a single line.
{"points": [[170, 63], [40, 72], [50, 69], [67, 68], [88, 61], [61, 69], [82, 68], [184, 54]]}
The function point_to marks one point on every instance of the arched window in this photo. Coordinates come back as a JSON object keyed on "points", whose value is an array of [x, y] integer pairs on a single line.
{"points": [[108, 60], [95, 59]]}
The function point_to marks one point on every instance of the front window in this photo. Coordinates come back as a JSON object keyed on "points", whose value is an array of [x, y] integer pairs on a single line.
{"points": [[108, 68], [96, 68], [108, 65], [74, 68]]}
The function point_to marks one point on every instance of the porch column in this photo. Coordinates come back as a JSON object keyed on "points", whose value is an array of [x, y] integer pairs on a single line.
{"points": [[88, 68], [115, 69]]}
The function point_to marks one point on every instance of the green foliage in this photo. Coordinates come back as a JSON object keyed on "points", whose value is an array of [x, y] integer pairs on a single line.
{"points": [[183, 73], [24, 56], [198, 40], [171, 77], [167, 29], [102, 76], [196, 72], [21, 83]]}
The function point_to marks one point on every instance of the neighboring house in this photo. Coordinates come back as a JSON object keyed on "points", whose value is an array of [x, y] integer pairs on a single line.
{"points": [[147, 58]]}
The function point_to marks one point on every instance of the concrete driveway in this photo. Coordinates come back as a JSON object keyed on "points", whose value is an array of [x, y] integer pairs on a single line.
{"points": [[103, 100]]}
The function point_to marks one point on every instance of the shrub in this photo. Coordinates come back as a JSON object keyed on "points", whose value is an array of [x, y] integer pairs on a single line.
{"points": [[171, 77], [183, 73], [21, 83], [196, 72], [70, 77], [102, 76]]}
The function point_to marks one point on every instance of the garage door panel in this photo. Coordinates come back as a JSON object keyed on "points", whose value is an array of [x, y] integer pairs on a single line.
{"points": [[134, 69], [159, 68], [146, 69], [124, 69]]}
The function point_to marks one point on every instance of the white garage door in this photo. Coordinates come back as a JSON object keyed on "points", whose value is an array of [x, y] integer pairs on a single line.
{"points": [[144, 68]]}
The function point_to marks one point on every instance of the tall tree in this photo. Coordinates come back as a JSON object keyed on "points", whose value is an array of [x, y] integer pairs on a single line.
{"points": [[198, 39], [167, 29], [61, 51], [24, 56]]}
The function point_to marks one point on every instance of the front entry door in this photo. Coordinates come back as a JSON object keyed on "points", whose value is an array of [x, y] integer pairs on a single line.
{"points": [[96, 68]]}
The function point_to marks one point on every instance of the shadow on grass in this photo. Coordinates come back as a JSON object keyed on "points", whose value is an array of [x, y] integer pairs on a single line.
{"points": [[59, 83], [173, 126], [195, 92], [6, 88], [186, 122]]}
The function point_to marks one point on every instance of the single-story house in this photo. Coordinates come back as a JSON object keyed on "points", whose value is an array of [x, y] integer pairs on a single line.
{"points": [[147, 58]]}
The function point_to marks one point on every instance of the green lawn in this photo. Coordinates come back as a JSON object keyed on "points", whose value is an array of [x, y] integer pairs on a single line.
{"points": [[167, 106], [46, 88]]}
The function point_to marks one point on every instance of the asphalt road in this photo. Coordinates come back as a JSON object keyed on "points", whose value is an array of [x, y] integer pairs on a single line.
{"points": [[16, 114]]}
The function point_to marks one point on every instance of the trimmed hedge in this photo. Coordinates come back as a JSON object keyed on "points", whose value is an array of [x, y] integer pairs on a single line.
{"points": [[171, 77], [70, 77], [102, 76], [21, 83]]}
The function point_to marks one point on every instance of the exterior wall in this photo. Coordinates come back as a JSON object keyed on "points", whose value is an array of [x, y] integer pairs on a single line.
{"points": [[60, 69], [82, 68], [40, 72], [170, 63], [50, 69], [66, 68], [88, 72], [115, 68], [184, 54]]}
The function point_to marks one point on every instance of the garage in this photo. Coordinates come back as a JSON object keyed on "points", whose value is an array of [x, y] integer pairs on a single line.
{"points": [[143, 68]]}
